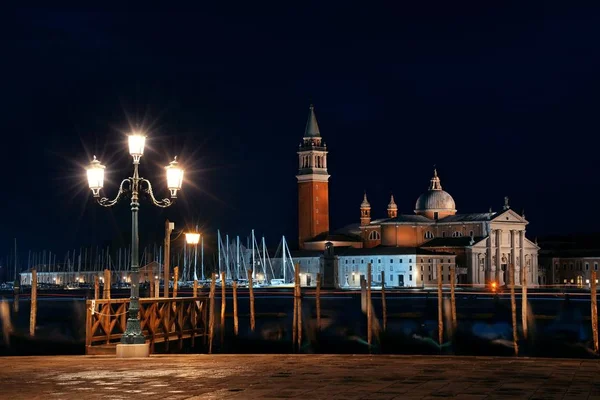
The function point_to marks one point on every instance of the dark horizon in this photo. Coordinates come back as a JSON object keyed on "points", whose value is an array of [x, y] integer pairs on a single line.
{"points": [[502, 99]]}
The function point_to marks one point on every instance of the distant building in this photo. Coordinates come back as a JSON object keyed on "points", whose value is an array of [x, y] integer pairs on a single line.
{"points": [[61, 277], [483, 245], [402, 266], [65, 277], [570, 260]]}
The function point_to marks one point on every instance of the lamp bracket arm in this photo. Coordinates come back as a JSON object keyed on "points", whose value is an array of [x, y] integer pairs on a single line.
{"points": [[164, 203], [106, 202]]}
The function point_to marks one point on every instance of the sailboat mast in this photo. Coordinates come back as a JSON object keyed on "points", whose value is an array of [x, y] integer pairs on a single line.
{"points": [[253, 263], [227, 256], [264, 259], [237, 257], [219, 249], [15, 259], [184, 260], [283, 253], [202, 260], [196, 260]]}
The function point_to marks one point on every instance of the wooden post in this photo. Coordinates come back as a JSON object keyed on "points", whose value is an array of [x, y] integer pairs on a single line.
{"points": [[318, 301], [513, 307], [195, 289], [175, 280], [369, 312], [363, 294], [223, 305], [157, 288], [452, 297], [299, 308], [96, 287], [151, 285], [251, 294], [235, 309], [295, 312], [383, 302], [167, 258], [106, 294], [16, 290], [440, 304], [33, 312], [524, 301], [594, 311], [211, 312]]}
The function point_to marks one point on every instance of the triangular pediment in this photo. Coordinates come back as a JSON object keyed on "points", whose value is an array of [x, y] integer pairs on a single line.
{"points": [[531, 245], [481, 243], [509, 216]]}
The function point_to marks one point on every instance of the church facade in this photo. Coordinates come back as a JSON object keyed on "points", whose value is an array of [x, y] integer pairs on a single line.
{"points": [[479, 246]]}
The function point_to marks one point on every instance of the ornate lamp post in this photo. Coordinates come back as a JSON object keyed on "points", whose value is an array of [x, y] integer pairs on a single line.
{"points": [[95, 172]]}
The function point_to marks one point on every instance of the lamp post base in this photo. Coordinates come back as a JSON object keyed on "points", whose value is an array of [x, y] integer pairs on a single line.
{"points": [[133, 350]]}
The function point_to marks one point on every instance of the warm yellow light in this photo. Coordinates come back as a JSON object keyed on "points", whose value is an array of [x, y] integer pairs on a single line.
{"points": [[95, 175], [174, 177], [192, 238], [137, 141]]}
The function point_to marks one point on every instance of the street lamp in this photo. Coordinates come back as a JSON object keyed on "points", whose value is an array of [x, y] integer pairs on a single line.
{"points": [[95, 173], [193, 238]]}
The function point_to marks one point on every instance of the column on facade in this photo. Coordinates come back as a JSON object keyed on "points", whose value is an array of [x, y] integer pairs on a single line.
{"points": [[522, 256], [513, 257], [479, 273], [499, 277], [474, 265], [489, 274], [534, 269]]}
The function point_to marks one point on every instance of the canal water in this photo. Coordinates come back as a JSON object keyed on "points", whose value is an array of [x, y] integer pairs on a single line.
{"points": [[559, 325]]}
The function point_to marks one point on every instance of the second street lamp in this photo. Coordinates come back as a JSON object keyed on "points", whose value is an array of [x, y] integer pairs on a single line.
{"points": [[193, 238], [133, 342]]}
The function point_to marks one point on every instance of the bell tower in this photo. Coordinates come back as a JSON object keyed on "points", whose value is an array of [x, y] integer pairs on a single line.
{"points": [[313, 182], [365, 211]]}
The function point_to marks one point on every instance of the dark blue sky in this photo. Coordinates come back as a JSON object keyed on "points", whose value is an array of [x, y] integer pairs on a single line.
{"points": [[502, 98]]}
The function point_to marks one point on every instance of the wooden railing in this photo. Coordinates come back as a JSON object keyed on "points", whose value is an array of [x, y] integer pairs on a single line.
{"points": [[162, 319]]}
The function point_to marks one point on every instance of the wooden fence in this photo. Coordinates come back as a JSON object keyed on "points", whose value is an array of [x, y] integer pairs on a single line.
{"points": [[165, 320]]}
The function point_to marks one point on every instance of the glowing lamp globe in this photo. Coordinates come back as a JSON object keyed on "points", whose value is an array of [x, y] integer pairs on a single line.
{"points": [[137, 141], [192, 238], [95, 175], [174, 177]]}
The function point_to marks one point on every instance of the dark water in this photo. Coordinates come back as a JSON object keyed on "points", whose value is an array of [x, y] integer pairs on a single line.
{"points": [[558, 326]]}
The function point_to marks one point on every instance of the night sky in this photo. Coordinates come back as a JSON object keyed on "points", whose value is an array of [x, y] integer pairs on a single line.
{"points": [[503, 99]]}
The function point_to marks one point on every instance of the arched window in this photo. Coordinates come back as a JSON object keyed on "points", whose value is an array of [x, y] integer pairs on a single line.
{"points": [[428, 235], [457, 234], [374, 235]]}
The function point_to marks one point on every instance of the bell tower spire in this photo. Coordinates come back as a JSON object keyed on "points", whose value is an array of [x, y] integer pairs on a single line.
{"points": [[313, 182], [365, 211], [392, 209]]}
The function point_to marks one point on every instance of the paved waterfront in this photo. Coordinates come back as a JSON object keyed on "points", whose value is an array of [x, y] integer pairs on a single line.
{"points": [[297, 376]]}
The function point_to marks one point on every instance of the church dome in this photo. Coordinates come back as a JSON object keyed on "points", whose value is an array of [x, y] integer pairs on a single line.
{"points": [[435, 200], [435, 203]]}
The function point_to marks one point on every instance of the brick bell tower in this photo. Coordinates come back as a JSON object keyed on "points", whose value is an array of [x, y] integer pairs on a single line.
{"points": [[313, 186]]}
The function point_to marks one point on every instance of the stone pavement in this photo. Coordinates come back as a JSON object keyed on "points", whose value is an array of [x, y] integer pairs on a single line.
{"points": [[297, 376]]}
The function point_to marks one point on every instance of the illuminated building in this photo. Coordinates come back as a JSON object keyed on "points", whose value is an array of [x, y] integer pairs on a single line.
{"points": [[484, 244]]}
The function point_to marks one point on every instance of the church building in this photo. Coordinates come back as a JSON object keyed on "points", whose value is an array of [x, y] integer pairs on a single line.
{"points": [[480, 246]]}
